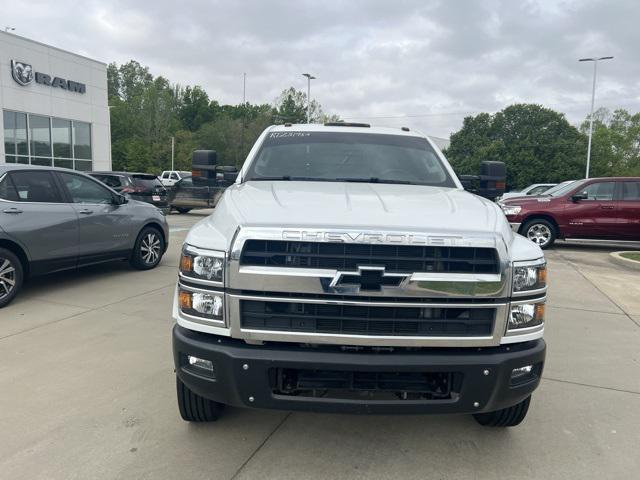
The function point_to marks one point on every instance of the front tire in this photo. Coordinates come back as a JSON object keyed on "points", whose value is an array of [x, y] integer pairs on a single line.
{"points": [[11, 276], [194, 408], [540, 231], [148, 249], [507, 417]]}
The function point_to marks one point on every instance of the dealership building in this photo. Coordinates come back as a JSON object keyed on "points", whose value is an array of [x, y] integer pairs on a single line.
{"points": [[54, 107]]}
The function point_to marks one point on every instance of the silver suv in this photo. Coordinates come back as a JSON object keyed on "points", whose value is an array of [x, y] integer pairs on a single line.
{"points": [[55, 219]]}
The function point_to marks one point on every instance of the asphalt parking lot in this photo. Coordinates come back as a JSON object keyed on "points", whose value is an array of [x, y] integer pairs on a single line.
{"points": [[87, 391]]}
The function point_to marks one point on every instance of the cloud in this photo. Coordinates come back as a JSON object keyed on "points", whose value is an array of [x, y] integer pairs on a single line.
{"points": [[424, 64]]}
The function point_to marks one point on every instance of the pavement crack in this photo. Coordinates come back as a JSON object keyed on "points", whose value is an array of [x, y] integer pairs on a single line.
{"points": [[590, 385], [253, 454], [553, 305]]}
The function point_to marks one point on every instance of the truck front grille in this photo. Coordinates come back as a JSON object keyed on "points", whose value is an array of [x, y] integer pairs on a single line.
{"points": [[366, 320], [348, 256]]}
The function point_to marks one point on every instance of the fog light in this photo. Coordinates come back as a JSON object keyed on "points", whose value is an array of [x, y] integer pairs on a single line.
{"points": [[521, 372], [200, 365]]}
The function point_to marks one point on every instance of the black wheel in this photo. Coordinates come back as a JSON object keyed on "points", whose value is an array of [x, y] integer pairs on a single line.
{"points": [[11, 275], [507, 417], [194, 408], [148, 249], [540, 231], [183, 210]]}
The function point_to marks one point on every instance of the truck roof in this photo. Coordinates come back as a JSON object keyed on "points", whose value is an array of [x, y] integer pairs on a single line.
{"points": [[346, 128]]}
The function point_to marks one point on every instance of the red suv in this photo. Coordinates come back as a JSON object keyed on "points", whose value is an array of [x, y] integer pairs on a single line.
{"points": [[596, 208]]}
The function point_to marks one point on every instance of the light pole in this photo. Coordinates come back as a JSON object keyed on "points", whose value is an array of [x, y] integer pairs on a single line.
{"points": [[309, 78], [173, 149], [593, 97]]}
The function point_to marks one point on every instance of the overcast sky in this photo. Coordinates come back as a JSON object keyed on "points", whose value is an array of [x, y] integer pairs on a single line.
{"points": [[424, 64]]}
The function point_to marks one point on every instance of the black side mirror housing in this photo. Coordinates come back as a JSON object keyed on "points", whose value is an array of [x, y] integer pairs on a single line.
{"points": [[120, 199], [576, 197], [491, 181], [230, 177]]}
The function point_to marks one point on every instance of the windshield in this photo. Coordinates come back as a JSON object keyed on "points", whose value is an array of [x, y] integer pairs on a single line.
{"points": [[562, 188], [348, 157]]}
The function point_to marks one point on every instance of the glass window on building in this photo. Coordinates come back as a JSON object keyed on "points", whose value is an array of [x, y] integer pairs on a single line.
{"points": [[82, 140], [40, 137], [9, 119], [61, 136], [40, 140], [15, 137]]}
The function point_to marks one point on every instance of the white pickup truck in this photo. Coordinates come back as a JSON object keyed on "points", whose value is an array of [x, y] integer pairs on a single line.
{"points": [[169, 178], [347, 270]]}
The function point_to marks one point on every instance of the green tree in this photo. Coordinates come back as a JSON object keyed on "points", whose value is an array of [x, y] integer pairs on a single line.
{"points": [[146, 111], [195, 108], [291, 107], [615, 147], [537, 144]]}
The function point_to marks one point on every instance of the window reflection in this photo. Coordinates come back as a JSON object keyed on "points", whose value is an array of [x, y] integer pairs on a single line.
{"points": [[82, 140], [40, 136], [40, 140], [61, 134]]}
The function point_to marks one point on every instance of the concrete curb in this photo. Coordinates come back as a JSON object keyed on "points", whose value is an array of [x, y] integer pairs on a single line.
{"points": [[625, 262]]}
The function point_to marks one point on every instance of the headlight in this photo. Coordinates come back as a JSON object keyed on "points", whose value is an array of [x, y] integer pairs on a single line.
{"points": [[529, 277], [201, 304], [511, 209], [202, 264], [526, 315]]}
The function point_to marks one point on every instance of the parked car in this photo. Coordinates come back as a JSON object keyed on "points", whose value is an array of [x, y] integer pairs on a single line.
{"points": [[535, 189], [194, 192], [137, 186], [170, 177], [546, 193], [55, 219], [597, 208]]}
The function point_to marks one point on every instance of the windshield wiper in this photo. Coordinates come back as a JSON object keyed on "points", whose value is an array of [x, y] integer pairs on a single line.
{"points": [[374, 180], [290, 178], [267, 179]]}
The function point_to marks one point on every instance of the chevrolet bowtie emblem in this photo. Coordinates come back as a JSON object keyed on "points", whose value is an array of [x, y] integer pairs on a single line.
{"points": [[367, 278]]}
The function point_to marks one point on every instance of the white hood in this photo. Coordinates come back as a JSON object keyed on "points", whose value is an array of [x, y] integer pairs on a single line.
{"points": [[370, 205], [352, 206]]}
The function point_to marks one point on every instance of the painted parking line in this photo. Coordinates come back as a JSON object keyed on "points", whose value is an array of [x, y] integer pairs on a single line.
{"points": [[178, 229]]}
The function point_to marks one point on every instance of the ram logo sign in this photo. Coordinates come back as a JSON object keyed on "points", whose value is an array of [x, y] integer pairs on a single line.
{"points": [[24, 75], [21, 72]]}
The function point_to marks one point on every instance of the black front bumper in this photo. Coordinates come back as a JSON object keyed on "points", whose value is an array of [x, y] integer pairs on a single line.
{"points": [[244, 374]]}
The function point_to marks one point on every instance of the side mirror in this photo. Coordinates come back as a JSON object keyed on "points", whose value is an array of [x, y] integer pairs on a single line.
{"points": [[230, 177], [491, 181], [120, 200], [576, 197]]}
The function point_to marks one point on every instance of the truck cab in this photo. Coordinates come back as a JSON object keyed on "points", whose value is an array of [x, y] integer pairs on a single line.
{"points": [[347, 270]]}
